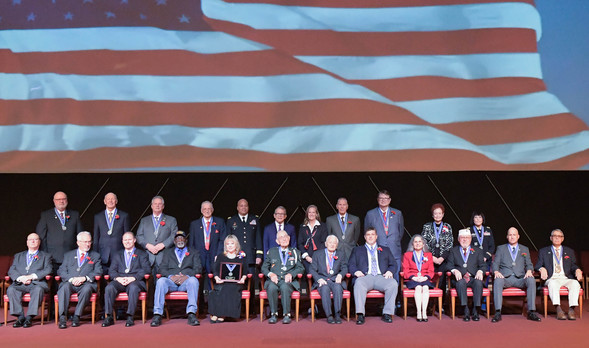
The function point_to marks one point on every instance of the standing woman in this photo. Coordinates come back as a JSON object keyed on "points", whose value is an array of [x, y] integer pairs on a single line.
{"points": [[418, 271], [439, 240], [482, 236], [312, 235], [225, 299]]}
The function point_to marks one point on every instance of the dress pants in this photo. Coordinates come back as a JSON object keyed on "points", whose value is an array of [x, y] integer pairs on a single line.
{"points": [[380, 283], [554, 286], [15, 293], [512, 281], [325, 292], [84, 292], [165, 285], [285, 289], [114, 288], [477, 291]]}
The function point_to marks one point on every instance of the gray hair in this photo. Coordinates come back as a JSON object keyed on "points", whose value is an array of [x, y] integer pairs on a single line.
{"points": [[556, 230], [332, 236], [410, 246], [156, 197], [78, 237]]}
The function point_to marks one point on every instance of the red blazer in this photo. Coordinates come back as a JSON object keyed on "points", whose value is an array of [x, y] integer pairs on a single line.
{"points": [[410, 268]]}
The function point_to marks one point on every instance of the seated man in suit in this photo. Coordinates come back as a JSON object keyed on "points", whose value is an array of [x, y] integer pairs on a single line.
{"points": [[127, 273], [468, 266], [329, 268], [178, 269], [513, 268], [281, 267], [28, 272], [558, 268], [373, 268], [279, 224], [78, 271]]}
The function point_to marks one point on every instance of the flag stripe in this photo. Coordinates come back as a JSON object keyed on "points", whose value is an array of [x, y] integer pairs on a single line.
{"points": [[375, 3]]}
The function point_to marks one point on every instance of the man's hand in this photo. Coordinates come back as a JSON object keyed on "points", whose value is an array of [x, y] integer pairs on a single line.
{"points": [[438, 260], [457, 274], [288, 278], [151, 248], [479, 275], [543, 273], [388, 275], [322, 282], [77, 281], [273, 278], [529, 274], [309, 259], [498, 275], [579, 274], [258, 260], [338, 278], [160, 247], [359, 274]]}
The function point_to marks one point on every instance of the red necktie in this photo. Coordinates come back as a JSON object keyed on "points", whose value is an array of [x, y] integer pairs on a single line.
{"points": [[82, 257], [384, 218], [208, 238]]}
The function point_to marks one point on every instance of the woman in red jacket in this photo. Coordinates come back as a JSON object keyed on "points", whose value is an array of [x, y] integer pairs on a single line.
{"points": [[418, 271]]}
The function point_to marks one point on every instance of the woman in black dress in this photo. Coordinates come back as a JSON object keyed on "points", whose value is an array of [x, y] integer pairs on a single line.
{"points": [[312, 235], [225, 299]]}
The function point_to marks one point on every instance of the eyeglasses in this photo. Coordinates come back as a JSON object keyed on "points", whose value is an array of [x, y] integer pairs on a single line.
{"points": [[384, 198], [279, 214], [557, 236], [85, 241]]}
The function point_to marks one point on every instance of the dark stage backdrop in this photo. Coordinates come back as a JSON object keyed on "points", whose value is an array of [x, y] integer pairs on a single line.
{"points": [[540, 201]]}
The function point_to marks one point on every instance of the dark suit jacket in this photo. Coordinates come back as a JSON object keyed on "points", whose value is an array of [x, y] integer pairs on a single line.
{"points": [[306, 238], [410, 267], [294, 266], [196, 239], [396, 226], [105, 244], [42, 265], [270, 235], [319, 267], [503, 261], [569, 263], [352, 228], [488, 242], [139, 265], [358, 261], [166, 233], [249, 235], [54, 240], [92, 266], [190, 265], [474, 263]]}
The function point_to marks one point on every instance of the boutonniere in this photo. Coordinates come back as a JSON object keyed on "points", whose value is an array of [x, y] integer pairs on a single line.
{"points": [[89, 260], [289, 253], [162, 223], [425, 259], [471, 251], [393, 212], [67, 217], [445, 229], [187, 253], [567, 257], [134, 256], [335, 257], [241, 254], [379, 249], [214, 223], [524, 254], [117, 217], [349, 222], [36, 257]]}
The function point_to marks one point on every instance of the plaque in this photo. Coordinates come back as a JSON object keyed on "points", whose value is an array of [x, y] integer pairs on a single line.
{"points": [[230, 271]]}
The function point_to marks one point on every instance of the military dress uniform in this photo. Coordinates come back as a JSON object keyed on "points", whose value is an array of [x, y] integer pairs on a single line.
{"points": [[249, 235], [282, 262]]}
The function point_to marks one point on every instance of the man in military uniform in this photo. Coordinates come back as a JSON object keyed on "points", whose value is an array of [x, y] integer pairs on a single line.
{"points": [[246, 227], [281, 267]]}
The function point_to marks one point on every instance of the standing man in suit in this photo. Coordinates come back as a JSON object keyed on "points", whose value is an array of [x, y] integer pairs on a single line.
{"points": [[557, 266], [128, 269], [389, 226], [373, 268], [346, 227], [109, 226], [156, 231], [78, 271], [513, 268], [329, 268], [207, 235], [28, 272], [281, 267], [58, 228], [279, 224], [246, 227], [178, 268], [468, 266]]}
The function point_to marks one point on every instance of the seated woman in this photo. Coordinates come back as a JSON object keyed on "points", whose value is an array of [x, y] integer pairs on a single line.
{"points": [[225, 299], [418, 271]]}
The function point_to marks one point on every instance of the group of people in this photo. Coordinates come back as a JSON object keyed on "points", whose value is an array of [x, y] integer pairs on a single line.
{"points": [[232, 249]]}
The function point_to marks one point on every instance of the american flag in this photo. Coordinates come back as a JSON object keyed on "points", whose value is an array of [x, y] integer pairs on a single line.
{"points": [[278, 85]]}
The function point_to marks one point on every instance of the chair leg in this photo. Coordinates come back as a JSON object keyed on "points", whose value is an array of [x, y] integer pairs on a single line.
{"points": [[5, 314], [312, 310], [348, 307], [440, 308], [453, 304], [580, 306], [297, 309], [42, 311], [488, 305], [93, 311], [247, 310], [55, 309], [545, 300], [143, 310], [404, 308], [261, 310]]}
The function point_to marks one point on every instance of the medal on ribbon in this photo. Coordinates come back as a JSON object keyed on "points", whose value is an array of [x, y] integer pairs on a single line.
{"points": [[418, 262], [110, 222], [514, 254], [465, 257], [385, 221], [284, 259], [330, 260], [437, 231], [558, 260], [479, 237], [230, 267], [62, 220]]}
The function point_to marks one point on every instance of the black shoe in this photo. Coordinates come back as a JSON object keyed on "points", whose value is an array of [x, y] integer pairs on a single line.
{"points": [[387, 318], [475, 315], [466, 314], [533, 316], [28, 322], [424, 320], [108, 321], [273, 319], [361, 320], [419, 320], [156, 321], [130, 321], [286, 319], [338, 319], [192, 320], [330, 320], [62, 322], [19, 322], [496, 318], [76, 321]]}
